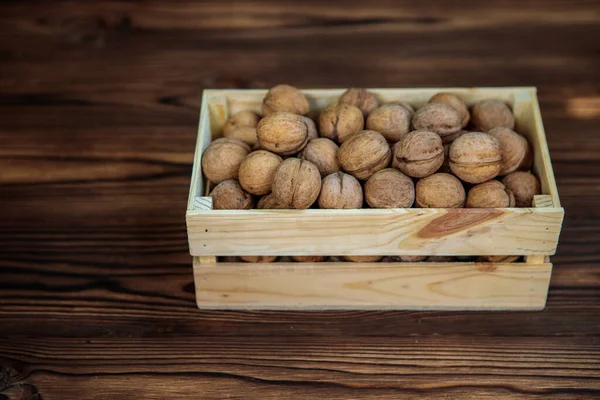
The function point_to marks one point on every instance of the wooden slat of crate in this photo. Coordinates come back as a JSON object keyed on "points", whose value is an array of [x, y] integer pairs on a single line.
{"points": [[376, 286]]}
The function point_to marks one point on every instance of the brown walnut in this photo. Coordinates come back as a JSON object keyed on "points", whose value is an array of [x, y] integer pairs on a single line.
{"points": [[389, 188], [455, 102], [364, 154], [475, 157], [283, 133], [360, 98], [339, 121], [340, 190], [491, 194], [257, 171], [524, 185], [285, 98], [391, 120], [516, 152], [491, 113], [222, 158], [418, 153], [229, 195], [439, 191], [297, 183]]}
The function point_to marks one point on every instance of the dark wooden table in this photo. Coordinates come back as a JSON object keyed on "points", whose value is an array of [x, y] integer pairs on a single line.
{"points": [[98, 110]]}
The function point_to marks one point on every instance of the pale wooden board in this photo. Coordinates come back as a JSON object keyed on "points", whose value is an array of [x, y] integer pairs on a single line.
{"points": [[516, 231], [376, 286]]}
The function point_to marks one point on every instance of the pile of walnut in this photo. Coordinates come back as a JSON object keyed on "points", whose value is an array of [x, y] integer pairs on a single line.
{"points": [[365, 154]]}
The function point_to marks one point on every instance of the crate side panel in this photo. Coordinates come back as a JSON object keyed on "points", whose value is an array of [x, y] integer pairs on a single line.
{"points": [[522, 231], [451, 286]]}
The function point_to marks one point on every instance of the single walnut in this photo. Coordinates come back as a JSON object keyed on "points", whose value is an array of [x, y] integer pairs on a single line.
{"points": [[475, 157], [283, 133], [389, 188], [257, 171], [440, 259], [339, 121], [285, 98], [259, 259], [491, 194], [308, 259], [404, 104], [503, 259], [363, 259], [524, 185], [229, 195], [323, 153], [312, 128], [440, 191], [364, 154], [412, 258], [360, 98], [270, 202], [439, 118], [455, 102], [222, 158], [244, 133], [391, 120], [491, 113], [246, 119], [418, 153], [297, 183], [516, 152], [340, 190]]}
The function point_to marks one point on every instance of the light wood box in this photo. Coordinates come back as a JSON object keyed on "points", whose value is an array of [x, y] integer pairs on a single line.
{"points": [[531, 232]]}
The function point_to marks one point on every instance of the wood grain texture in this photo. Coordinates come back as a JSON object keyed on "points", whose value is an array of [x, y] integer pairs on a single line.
{"points": [[371, 286], [98, 120]]}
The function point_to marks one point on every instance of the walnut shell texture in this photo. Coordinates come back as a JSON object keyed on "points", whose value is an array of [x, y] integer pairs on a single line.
{"points": [[439, 118], [323, 153], [475, 157], [229, 195], [440, 190], [389, 188], [222, 158], [418, 153], [285, 98], [455, 102], [491, 194], [313, 133], [404, 104], [360, 98], [491, 113], [391, 120], [364, 154], [257, 171], [259, 259], [244, 133], [340, 191], [246, 119], [524, 185], [297, 183], [516, 151], [339, 121], [270, 202], [364, 259], [283, 133]]}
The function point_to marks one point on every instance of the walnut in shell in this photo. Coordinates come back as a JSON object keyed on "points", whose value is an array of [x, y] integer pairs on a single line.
{"points": [[360, 98], [491, 194], [475, 157], [283, 133], [340, 190], [323, 153], [339, 121], [364, 259], [391, 120], [312, 128], [259, 259], [257, 171], [491, 113], [455, 102], [248, 119], [270, 202], [244, 133], [524, 185], [439, 118], [308, 259], [229, 195], [516, 152], [404, 104], [440, 191], [364, 154], [297, 183], [389, 188], [222, 158], [418, 153], [285, 98]]}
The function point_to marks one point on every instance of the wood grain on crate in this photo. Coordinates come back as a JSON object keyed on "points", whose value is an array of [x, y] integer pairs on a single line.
{"points": [[442, 286]]}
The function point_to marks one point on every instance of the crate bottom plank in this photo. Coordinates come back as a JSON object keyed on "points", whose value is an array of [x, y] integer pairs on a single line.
{"points": [[371, 286]]}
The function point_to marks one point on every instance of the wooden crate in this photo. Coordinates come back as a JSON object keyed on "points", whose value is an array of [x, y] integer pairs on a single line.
{"points": [[532, 232]]}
